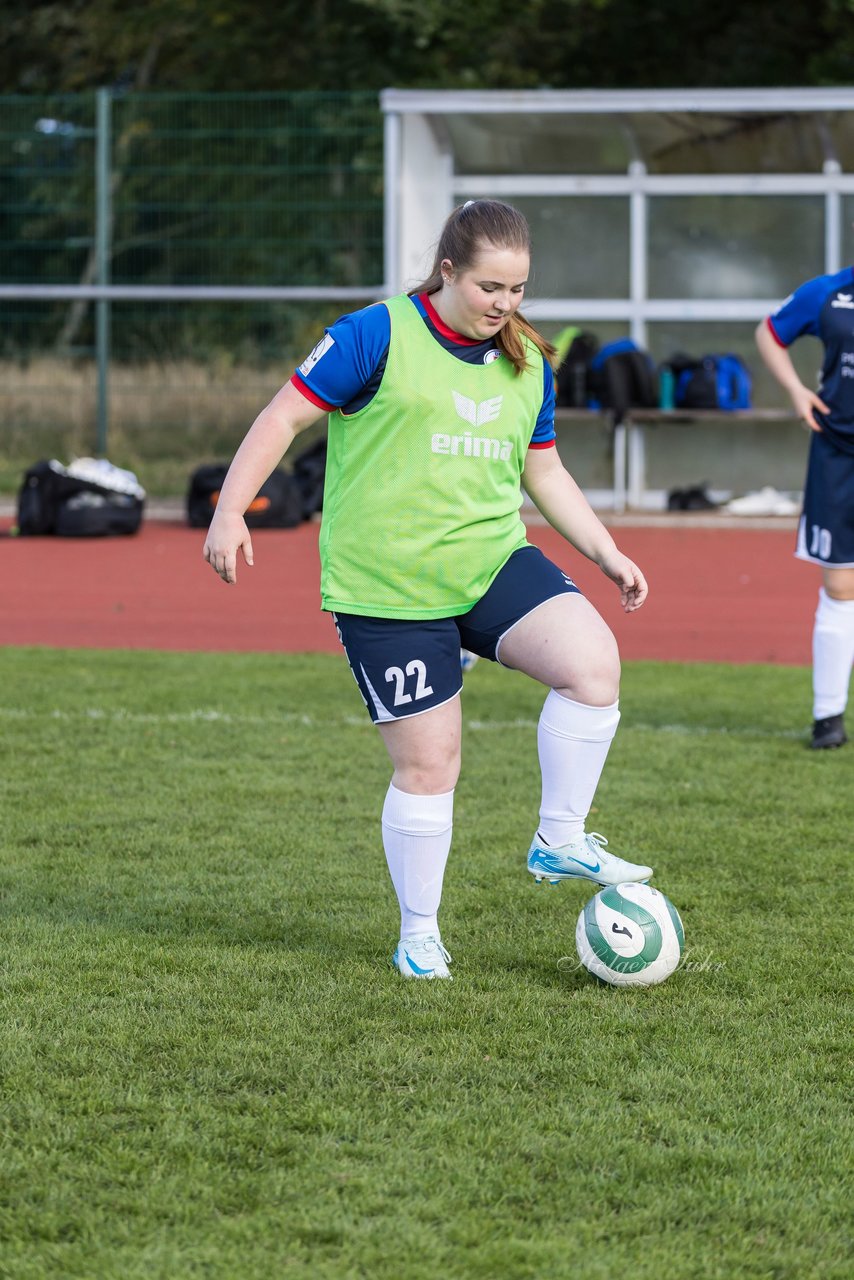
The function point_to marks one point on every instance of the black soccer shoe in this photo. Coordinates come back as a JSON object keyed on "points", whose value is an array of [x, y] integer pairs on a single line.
{"points": [[697, 499], [828, 733]]}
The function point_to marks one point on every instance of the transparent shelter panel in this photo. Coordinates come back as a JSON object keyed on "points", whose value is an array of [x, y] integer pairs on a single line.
{"points": [[726, 459], [581, 245], [537, 143], [665, 141], [729, 142], [848, 231], [586, 448], [710, 246]]}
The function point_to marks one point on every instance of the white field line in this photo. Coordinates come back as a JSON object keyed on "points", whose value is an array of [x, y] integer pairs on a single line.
{"points": [[209, 715]]}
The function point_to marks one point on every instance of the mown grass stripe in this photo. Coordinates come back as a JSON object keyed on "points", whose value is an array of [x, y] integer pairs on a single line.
{"points": [[213, 715]]}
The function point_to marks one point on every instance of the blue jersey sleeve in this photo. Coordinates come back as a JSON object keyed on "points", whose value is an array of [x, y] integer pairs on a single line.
{"points": [[801, 311], [347, 356], [544, 431]]}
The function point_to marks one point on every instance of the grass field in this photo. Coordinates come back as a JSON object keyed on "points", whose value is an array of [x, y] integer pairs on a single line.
{"points": [[210, 1070]]}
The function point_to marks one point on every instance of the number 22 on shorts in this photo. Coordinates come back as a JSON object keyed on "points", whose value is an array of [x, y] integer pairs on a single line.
{"points": [[414, 668]]}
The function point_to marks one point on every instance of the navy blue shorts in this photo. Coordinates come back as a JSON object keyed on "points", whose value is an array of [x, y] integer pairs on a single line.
{"points": [[826, 528], [406, 666]]}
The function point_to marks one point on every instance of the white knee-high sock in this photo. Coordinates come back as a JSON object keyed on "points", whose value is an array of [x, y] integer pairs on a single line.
{"points": [[573, 742], [832, 655], [417, 839]]}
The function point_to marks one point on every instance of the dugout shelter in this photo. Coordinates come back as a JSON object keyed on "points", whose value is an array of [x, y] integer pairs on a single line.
{"points": [[677, 217]]}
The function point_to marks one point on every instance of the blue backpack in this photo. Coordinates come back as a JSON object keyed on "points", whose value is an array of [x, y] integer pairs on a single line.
{"points": [[712, 382]]}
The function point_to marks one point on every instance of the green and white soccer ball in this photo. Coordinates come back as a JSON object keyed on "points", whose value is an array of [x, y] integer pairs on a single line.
{"points": [[630, 935]]}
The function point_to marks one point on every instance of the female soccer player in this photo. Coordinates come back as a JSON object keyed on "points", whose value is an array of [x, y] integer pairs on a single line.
{"points": [[440, 402], [824, 307]]}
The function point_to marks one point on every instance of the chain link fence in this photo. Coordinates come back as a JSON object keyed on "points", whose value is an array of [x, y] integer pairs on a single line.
{"points": [[165, 191]]}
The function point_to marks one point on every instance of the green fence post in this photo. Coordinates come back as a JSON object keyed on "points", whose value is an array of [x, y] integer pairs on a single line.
{"points": [[103, 215]]}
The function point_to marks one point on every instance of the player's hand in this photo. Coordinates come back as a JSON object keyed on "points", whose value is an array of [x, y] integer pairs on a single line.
{"points": [[806, 402], [227, 535], [628, 577]]}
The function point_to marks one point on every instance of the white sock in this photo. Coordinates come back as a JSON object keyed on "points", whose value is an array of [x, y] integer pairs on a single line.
{"points": [[573, 742], [832, 655], [417, 839]]}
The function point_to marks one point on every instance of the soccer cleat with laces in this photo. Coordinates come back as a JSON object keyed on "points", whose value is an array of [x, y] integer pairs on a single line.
{"points": [[423, 957], [582, 859]]}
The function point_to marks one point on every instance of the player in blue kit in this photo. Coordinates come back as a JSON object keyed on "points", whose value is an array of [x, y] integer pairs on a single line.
{"points": [[824, 308], [441, 403]]}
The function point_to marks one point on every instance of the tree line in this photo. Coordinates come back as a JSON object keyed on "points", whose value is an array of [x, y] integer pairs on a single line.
{"points": [[250, 45]]}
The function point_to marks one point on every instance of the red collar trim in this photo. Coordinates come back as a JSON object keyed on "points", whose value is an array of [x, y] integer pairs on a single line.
{"points": [[438, 323]]}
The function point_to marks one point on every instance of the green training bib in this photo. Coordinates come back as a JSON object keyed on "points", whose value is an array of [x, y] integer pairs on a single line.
{"points": [[422, 493]]}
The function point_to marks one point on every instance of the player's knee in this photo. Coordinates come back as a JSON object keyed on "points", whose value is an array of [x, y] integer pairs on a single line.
{"points": [[599, 688], [428, 777], [596, 680]]}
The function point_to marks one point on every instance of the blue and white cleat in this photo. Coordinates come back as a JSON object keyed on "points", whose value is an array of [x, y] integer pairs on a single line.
{"points": [[423, 957], [583, 859], [467, 660]]}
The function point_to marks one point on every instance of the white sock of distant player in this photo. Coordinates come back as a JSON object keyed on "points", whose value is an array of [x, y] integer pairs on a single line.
{"points": [[417, 838], [832, 655], [573, 742]]}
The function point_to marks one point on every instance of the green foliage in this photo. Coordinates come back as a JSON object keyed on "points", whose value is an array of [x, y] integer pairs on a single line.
{"points": [[247, 189], [371, 44], [209, 1068]]}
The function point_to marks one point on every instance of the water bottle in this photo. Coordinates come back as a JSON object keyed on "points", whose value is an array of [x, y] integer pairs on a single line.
{"points": [[666, 388]]}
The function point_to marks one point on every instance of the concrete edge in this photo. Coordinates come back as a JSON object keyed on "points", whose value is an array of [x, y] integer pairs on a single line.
{"points": [[174, 511]]}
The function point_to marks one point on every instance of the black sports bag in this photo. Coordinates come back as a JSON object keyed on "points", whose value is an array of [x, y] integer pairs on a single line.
{"points": [[53, 501], [277, 505]]}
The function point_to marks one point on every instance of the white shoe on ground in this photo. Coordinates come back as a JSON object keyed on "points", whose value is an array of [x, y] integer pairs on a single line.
{"points": [[423, 957]]}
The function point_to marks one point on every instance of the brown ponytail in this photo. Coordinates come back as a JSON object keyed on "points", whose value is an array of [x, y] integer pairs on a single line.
{"points": [[467, 229]]}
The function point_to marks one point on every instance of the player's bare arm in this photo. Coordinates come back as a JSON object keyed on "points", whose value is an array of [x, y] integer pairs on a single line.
{"points": [[263, 447], [779, 362], [558, 498]]}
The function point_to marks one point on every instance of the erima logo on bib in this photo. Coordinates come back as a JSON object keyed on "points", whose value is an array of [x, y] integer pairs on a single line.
{"points": [[469, 445], [477, 414], [843, 300]]}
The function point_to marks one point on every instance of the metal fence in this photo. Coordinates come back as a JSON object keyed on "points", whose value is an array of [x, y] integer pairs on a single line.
{"points": [[142, 227]]}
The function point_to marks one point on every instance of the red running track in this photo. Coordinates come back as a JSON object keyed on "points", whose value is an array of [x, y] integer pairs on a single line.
{"points": [[716, 594]]}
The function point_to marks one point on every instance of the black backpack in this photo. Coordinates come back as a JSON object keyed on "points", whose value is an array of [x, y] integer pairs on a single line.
{"points": [[623, 377], [576, 353], [51, 501], [277, 505]]}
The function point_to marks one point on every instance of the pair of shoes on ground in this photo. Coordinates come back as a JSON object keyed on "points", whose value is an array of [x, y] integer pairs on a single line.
{"points": [[585, 858], [693, 499], [828, 733], [764, 502]]}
